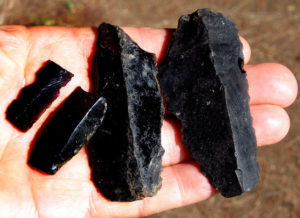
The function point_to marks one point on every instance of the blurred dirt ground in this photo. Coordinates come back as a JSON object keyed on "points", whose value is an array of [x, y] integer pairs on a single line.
{"points": [[273, 29]]}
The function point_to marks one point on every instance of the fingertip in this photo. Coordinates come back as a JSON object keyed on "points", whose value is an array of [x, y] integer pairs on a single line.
{"points": [[246, 50], [271, 123], [271, 83], [288, 82]]}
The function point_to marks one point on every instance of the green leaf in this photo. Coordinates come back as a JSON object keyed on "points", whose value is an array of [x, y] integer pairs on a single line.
{"points": [[49, 22], [70, 5]]}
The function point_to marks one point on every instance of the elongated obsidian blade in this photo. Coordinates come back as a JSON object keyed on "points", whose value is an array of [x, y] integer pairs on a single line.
{"points": [[125, 153], [37, 97], [68, 131], [206, 88]]}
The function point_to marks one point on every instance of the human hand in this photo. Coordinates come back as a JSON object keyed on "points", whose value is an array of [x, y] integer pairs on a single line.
{"points": [[70, 192]]}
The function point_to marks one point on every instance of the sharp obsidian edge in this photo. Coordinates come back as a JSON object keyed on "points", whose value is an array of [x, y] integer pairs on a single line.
{"points": [[67, 131], [37, 97], [125, 153], [205, 86]]}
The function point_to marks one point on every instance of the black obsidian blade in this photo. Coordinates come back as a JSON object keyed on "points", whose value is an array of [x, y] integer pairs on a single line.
{"points": [[125, 153], [205, 86], [68, 131], [37, 97]]}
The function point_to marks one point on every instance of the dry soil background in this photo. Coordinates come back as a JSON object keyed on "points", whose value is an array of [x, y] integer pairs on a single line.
{"points": [[273, 29]]}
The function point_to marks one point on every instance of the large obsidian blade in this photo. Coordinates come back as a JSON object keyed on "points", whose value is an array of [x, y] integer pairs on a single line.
{"points": [[37, 97], [125, 153], [206, 88], [68, 131]]}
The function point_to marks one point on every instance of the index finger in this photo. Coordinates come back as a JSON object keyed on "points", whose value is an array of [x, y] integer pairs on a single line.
{"points": [[156, 41]]}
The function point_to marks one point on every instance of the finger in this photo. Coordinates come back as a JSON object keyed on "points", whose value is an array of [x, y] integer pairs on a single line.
{"points": [[246, 50], [175, 151], [151, 40], [156, 41], [271, 83], [271, 124], [182, 184]]}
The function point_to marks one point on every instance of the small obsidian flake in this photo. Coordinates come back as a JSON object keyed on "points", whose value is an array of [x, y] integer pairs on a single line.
{"points": [[125, 153], [34, 99], [70, 128], [205, 87]]}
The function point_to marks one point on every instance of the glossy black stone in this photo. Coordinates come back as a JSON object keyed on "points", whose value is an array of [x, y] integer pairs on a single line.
{"points": [[34, 99], [205, 86], [70, 128], [125, 153]]}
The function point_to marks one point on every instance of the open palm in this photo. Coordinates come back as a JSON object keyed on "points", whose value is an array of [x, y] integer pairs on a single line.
{"points": [[26, 192]]}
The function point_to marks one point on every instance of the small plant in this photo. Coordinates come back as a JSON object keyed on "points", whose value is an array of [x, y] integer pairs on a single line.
{"points": [[45, 21], [71, 6]]}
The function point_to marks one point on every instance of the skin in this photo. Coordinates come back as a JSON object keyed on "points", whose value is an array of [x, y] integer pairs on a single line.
{"points": [[26, 192]]}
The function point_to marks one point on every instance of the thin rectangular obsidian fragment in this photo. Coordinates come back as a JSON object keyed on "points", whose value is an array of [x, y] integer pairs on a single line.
{"points": [[125, 153], [68, 131], [34, 99], [205, 86]]}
